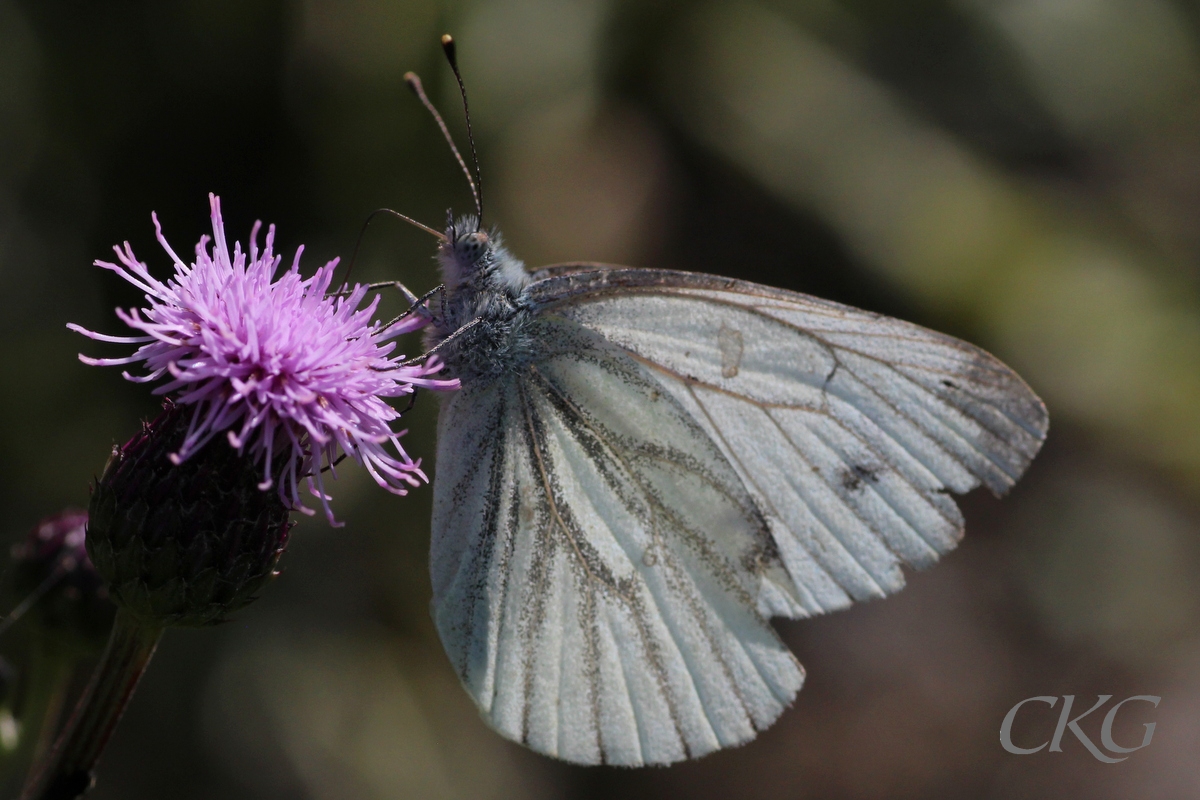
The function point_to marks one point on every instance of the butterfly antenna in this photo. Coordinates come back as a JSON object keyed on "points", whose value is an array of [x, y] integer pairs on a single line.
{"points": [[418, 89], [449, 49], [363, 231]]}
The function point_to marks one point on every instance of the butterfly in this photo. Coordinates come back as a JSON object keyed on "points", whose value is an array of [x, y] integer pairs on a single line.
{"points": [[643, 467]]}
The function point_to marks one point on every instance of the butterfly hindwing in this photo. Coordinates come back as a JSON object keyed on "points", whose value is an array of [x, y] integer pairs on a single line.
{"points": [[598, 563], [848, 428]]}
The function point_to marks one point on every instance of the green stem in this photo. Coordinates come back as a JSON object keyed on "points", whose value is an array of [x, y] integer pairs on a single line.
{"points": [[66, 771]]}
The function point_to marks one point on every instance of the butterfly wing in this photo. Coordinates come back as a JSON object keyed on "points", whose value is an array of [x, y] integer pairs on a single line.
{"points": [[597, 561], [570, 268], [848, 428]]}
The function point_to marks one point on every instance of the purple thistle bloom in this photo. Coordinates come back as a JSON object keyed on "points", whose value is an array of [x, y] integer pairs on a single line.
{"points": [[276, 364]]}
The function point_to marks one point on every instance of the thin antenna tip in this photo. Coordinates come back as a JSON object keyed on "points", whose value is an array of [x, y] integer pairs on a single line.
{"points": [[448, 48]]}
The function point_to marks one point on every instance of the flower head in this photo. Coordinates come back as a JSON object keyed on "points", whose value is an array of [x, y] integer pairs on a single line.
{"points": [[281, 366]]}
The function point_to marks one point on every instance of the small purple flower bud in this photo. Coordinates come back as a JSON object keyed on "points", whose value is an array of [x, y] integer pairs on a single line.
{"points": [[53, 574], [188, 543]]}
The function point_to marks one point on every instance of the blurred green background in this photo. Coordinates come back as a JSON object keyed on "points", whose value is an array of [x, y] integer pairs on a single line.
{"points": [[1022, 173]]}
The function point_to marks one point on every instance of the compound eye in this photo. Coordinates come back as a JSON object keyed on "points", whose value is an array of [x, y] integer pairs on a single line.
{"points": [[471, 246]]}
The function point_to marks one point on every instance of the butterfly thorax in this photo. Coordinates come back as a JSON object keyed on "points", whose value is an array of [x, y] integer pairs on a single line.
{"points": [[481, 321]]}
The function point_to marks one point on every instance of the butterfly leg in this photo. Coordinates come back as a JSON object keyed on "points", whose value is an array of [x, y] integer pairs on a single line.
{"points": [[417, 304], [442, 343], [412, 401], [404, 290]]}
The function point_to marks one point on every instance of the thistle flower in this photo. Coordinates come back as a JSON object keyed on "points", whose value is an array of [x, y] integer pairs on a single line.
{"points": [[182, 528], [280, 366]]}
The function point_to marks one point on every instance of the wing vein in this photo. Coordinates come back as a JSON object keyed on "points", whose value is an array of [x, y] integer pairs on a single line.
{"points": [[653, 505], [931, 337], [944, 423], [588, 598], [869, 484], [824, 523], [693, 381]]}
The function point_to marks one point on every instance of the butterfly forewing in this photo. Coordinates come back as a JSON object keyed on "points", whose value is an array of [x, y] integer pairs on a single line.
{"points": [[598, 563], [846, 427]]}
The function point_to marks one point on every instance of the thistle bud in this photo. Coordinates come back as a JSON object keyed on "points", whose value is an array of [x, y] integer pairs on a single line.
{"points": [[183, 543]]}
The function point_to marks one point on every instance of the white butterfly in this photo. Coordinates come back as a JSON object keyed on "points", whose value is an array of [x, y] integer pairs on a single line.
{"points": [[643, 467]]}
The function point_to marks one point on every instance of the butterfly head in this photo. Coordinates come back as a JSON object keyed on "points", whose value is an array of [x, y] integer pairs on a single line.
{"points": [[470, 248], [465, 252], [472, 255]]}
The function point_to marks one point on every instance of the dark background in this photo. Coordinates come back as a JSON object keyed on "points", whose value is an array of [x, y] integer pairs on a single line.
{"points": [[1022, 173]]}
